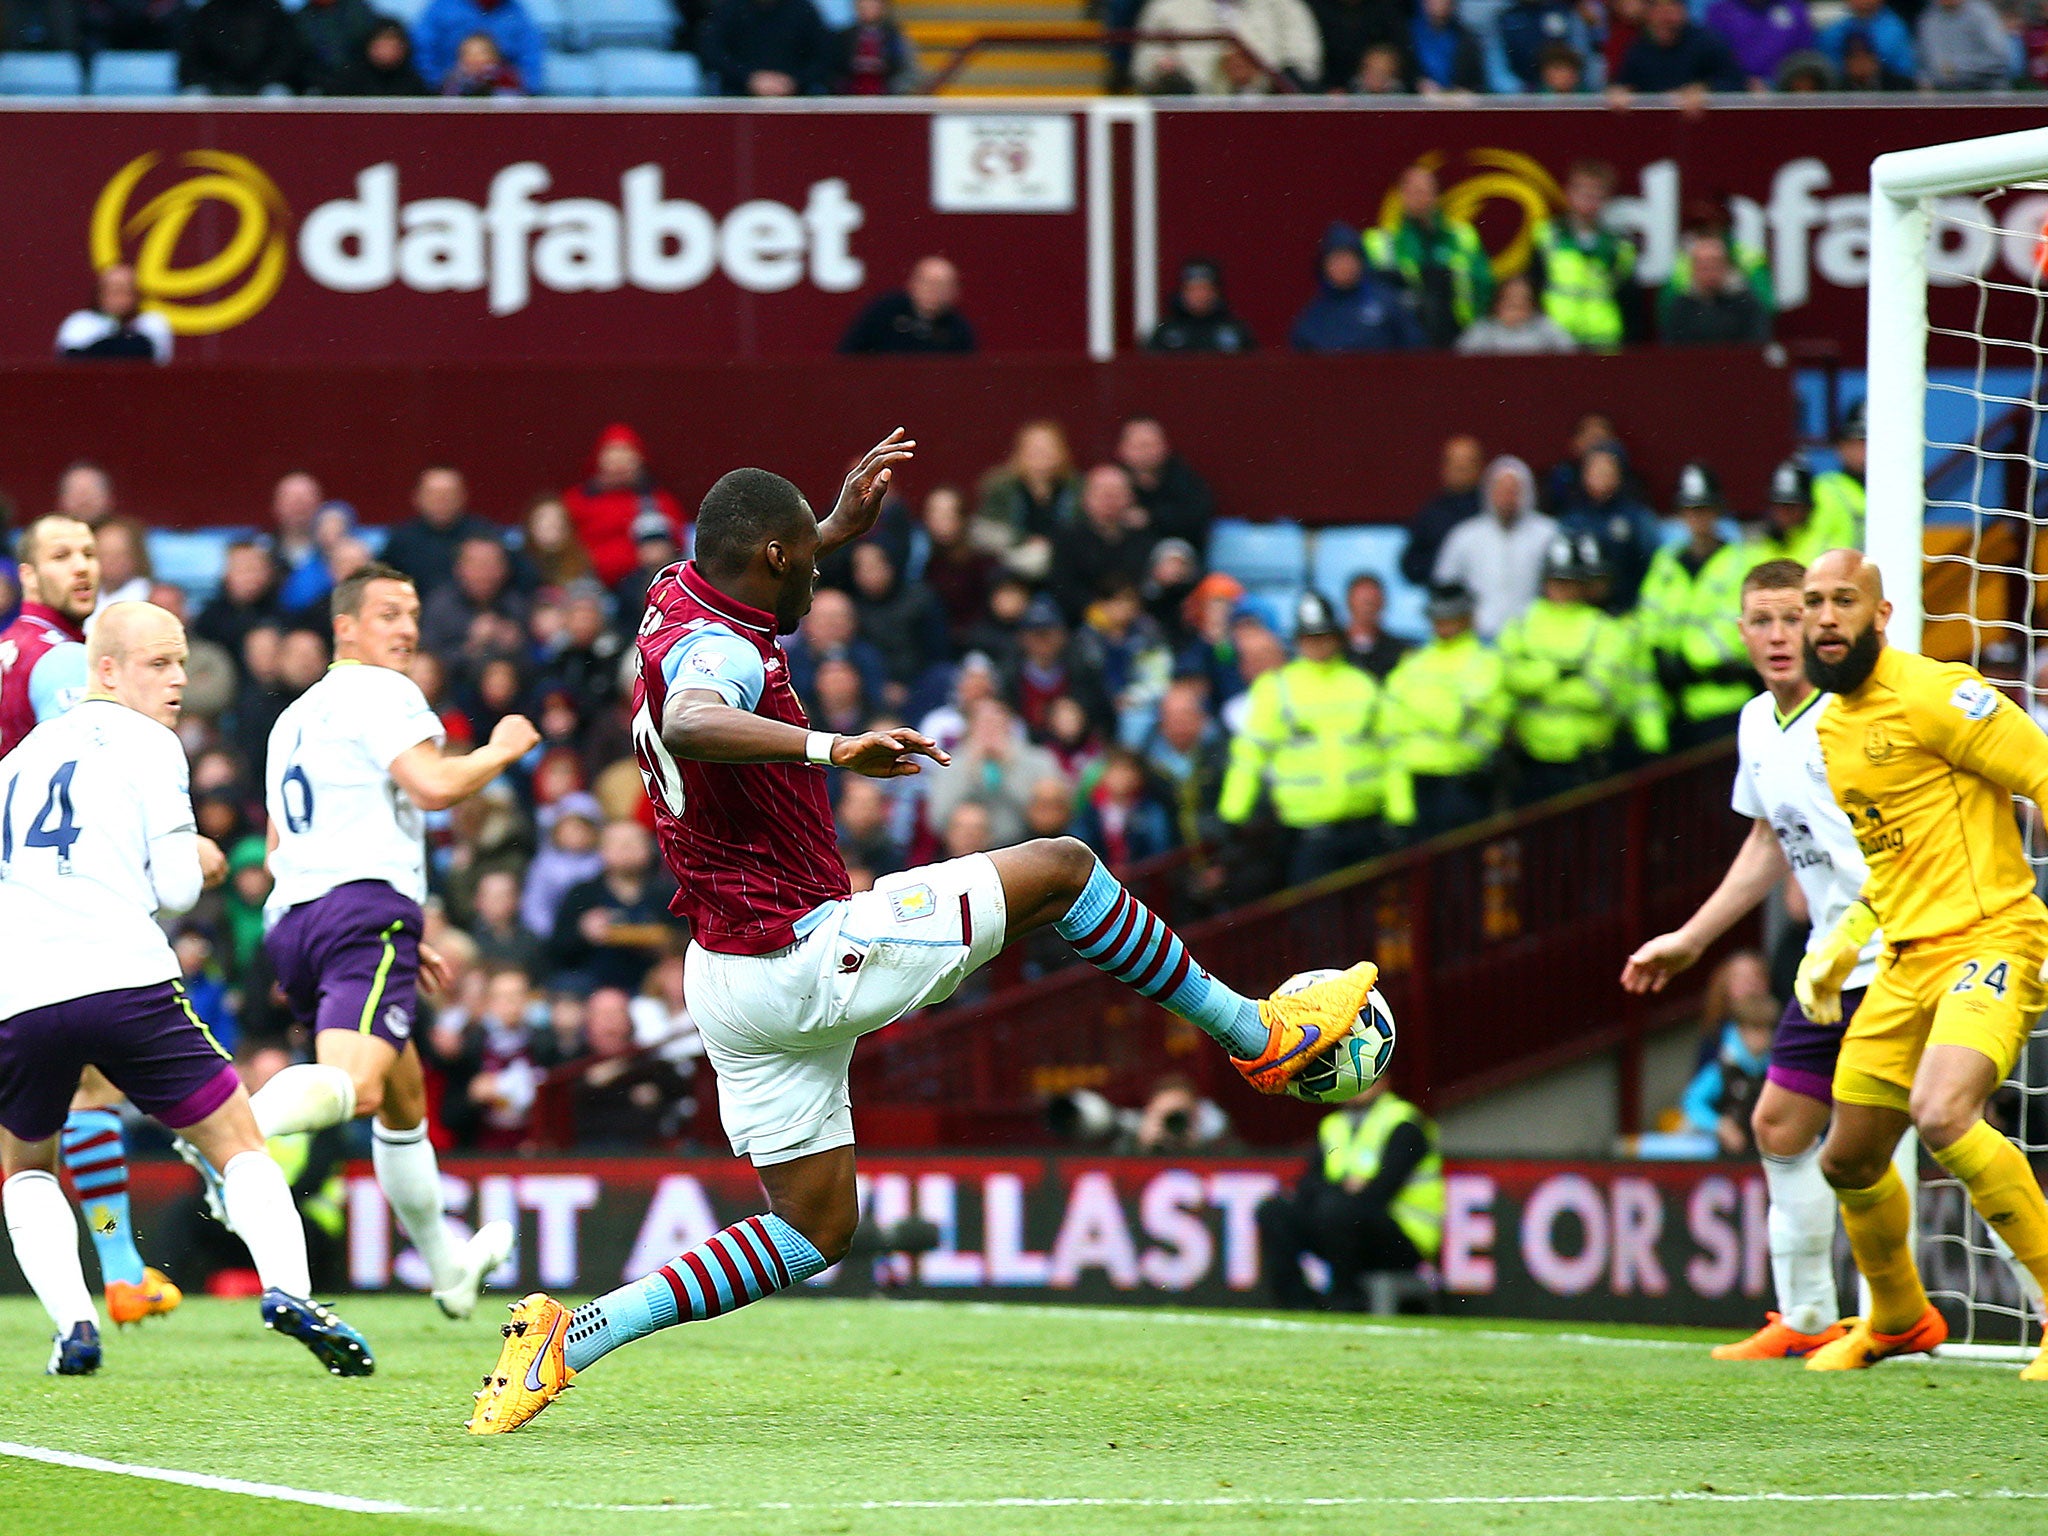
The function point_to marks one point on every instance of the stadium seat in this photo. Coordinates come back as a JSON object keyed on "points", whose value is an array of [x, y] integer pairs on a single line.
{"points": [[407, 11], [1274, 605], [836, 14], [647, 72], [135, 74], [572, 74], [1259, 554], [1338, 554], [41, 74], [620, 23], [192, 559], [553, 22]]}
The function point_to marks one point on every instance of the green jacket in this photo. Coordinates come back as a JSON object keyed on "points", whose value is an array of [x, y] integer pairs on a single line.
{"points": [[1567, 667], [1694, 622], [1839, 501], [1648, 711], [1750, 260], [1310, 739], [1352, 1143], [1408, 247], [1583, 280], [1443, 710]]}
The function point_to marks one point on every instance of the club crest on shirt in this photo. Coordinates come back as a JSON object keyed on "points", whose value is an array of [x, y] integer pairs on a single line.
{"points": [[397, 1021], [912, 903], [1975, 700], [1878, 745]]}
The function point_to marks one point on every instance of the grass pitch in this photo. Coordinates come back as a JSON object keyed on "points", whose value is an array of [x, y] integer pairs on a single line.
{"points": [[801, 1416]]}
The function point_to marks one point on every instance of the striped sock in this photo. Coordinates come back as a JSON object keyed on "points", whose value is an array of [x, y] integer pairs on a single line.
{"points": [[748, 1260], [98, 1164], [1117, 933]]}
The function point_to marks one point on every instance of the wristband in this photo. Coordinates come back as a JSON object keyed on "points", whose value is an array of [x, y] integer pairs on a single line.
{"points": [[818, 748]]}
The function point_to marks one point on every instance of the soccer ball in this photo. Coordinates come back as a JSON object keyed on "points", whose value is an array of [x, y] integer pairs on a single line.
{"points": [[1360, 1058]]}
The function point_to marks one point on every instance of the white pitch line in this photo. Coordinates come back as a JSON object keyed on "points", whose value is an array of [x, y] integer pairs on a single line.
{"points": [[204, 1480]]}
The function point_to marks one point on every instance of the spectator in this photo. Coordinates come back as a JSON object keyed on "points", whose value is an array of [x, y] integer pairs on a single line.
{"points": [[908, 625], [85, 491], [1066, 731], [865, 835], [1761, 34], [1050, 812], [1516, 327], [872, 57], [1522, 30], [1435, 256], [1366, 640], [239, 48], [1581, 268], [1716, 216], [1198, 317], [623, 1097], [126, 574], [968, 828], [332, 36], [1355, 310], [1118, 640], [1120, 820], [1170, 579], [295, 504], [382, 67], [832, 631], [1442, 715], [1048, 665], [1717, 1103], [1027, 501], [442, 27], [493, 1063], [116, 326], [501, 939], [1372, 1201], [661, 1013], [1109, 544], [1809, 70], [247, 598], [1307, 743], [654, 551], [1566, 665], [1463, 461], [976, 678], [1963, 46], [1864, 69], [1258, 651], [1349, 29], [1177, 500], [1189, 753], [1718, 309], [1878, 25], [1448, 58], [1560, 70], [996, 768], [1675, 53], [1607, 511], [957, 574], [205, 992], [766, 48], [481, 590], [424, 545], [568, 857], [612, 927], [1281, 34], [550, 553], [584, 661], [480, 70], [1498, 557], [617, 489], [922, 316]]}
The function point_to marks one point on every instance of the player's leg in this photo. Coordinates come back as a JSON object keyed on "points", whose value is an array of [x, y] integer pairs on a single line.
{"points": [[1801, 1228], [345, 1079], [44, 1232], [97, 1161], [1059, 881]]}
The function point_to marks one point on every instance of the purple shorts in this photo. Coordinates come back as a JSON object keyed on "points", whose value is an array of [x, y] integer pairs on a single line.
{"points": [[1803, 1053], [147, 1040], [351, 960]]}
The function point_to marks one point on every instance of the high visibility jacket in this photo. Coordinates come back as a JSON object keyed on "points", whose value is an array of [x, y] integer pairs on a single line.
{"points": [[1582, 280], [1443, 710], [1695, 624], [1649, 712], [1352, 1144], [1310, 739], [1567, 668], [324, 1207], [1838, 507], [1407, 247], [1805, 544], [1752, 261]]}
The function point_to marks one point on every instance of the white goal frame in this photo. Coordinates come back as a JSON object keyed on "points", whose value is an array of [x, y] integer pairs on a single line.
{"points": [[1901, 227]]}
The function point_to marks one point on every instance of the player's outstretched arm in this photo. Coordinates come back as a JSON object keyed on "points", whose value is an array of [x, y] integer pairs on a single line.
{"points": [[860, 498], [699, 726], [434, 782], [1759, 864]]}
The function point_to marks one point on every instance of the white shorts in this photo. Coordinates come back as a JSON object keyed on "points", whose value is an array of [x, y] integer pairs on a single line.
{"points": [[780, 1028]]}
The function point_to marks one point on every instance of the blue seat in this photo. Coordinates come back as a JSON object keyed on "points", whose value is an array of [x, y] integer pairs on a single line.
{"points": [[1274, 605], [192, 558], [572, 74], [836, 14], [647, 72], [552, 22], [620, 23], [135, 74], [41, 74], [1341, 553], [1259, 554]]}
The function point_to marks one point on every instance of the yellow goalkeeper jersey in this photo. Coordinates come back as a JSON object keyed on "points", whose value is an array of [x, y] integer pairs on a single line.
{"points": [[1924, 759]]}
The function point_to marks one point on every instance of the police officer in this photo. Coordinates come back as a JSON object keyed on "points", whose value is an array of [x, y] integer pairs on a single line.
{"points": [[1567, 670], [1372, 1200], [1310, 741], [1443, 712], [1691, 605], [1581, 267], [1791, 531], [1838, 494]]}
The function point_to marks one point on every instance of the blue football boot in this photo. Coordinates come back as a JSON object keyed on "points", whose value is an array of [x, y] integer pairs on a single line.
{"points": [[334, 1344]]}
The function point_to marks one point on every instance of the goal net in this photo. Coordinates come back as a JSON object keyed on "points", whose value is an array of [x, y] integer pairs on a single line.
{"points": [[1958, 523]]}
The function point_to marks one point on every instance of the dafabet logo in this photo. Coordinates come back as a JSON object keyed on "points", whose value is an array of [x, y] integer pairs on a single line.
{"points": [[217, 291]]}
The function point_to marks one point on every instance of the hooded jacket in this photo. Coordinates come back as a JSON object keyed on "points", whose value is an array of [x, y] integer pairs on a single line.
{"points": [[603, 515], [1372, 316]]}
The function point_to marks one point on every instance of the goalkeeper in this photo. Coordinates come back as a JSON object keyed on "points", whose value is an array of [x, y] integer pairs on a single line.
{"points": [[1924, 757]]}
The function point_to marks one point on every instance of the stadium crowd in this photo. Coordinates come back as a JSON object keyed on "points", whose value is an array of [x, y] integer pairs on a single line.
{"points": [[1058, 628], [780, 48]]}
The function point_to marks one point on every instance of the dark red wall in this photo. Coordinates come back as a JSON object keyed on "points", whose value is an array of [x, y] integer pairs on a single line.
{"points": [[1341, 439]]}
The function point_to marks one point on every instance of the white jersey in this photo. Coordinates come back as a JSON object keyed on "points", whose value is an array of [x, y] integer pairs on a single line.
{"points": [[96, 835], [339, 814], [1781, 779]]}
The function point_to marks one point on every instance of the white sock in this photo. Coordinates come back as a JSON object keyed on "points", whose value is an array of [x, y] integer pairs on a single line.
{"points": [[308, 1097], [410, 1176], [1802, 1234], [260, 1208], [45, 1235]]}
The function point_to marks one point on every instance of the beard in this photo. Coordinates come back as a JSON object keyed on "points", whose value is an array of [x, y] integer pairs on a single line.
{"points": [[1851, 672]]}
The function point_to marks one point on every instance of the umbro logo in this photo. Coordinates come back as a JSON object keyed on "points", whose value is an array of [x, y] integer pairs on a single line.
{"points": [[851, 961]]}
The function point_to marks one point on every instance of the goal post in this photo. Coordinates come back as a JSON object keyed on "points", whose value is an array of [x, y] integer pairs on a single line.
{"points": [[1916, 196]]}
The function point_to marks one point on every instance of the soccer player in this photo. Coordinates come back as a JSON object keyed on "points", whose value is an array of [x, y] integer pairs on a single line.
{"points": [[353, 763], [42, 674], [1781, 784], [787, 969], [97, 835], [1924, 757]]}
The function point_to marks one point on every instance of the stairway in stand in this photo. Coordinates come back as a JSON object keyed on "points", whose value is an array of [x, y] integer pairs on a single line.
{"points": [[937, 28]]}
